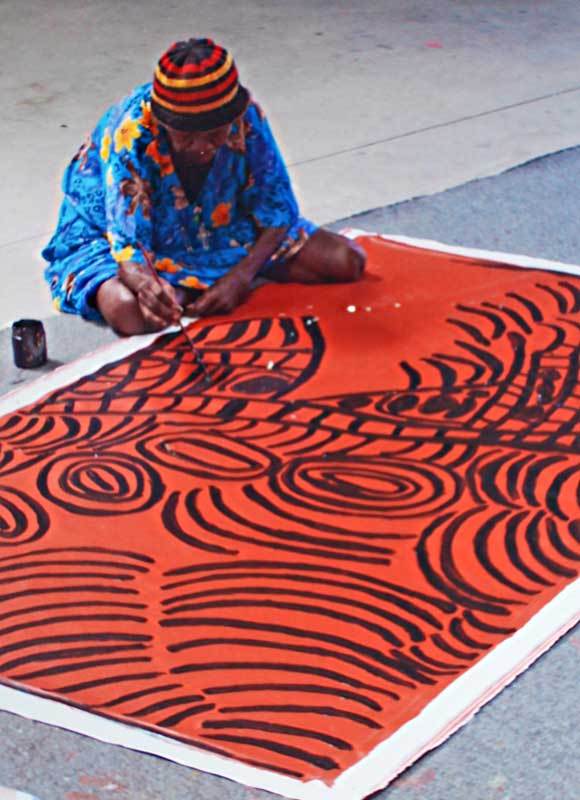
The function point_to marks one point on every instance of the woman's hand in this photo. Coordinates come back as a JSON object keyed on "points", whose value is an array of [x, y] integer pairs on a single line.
{"points": [[156, 297], [226, 294]]}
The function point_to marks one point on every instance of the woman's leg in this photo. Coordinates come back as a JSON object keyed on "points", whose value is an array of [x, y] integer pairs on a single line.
{"points": [[325, 258], [120, 308]]}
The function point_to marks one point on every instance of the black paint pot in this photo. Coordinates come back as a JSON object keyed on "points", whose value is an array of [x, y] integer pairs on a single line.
{"points": [[29, 343]]}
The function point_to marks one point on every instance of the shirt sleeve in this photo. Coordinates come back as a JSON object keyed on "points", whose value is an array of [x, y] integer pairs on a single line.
{"points": [[268, 196]]}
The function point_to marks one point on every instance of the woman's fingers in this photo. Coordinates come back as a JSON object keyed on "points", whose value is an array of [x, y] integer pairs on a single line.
{"points": [[206, 304], [157, 301], [152, 321]]}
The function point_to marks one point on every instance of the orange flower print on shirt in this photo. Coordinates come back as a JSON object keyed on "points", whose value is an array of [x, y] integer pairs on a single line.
{"points": [[167, 265], [126, 133], [147, 119], [191, 282], [221, 214], [164, 162]]}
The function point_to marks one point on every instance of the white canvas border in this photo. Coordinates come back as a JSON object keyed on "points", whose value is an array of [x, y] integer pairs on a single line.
{"points": [[451, 709]]}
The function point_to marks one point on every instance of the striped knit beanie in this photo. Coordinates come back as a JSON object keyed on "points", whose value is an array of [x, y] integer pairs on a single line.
{"points": [[196, 87]]}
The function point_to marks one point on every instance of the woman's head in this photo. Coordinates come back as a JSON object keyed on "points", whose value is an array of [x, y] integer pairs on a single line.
{"points": [[196, 147], [196, 89]]}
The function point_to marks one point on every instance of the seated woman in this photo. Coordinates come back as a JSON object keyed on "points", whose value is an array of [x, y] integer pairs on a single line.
{"points": [[183, 174]]}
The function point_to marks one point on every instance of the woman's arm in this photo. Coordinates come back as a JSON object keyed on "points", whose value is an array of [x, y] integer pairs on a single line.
{"points": [[229, 291]]}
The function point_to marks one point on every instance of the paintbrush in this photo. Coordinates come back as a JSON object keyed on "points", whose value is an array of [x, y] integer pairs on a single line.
{"points": [[196, 354]]}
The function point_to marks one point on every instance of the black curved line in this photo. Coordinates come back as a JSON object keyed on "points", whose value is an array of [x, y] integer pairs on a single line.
{"points": [[75, 637], [80, 604], [439, 642], [533, 309], [532, 475], [513, 315], [456, 630], [533, 540], [273, 727], [556, 295], [62, 550], [169, 519], [175, 719], [494, 365], [78, 652], [448, 374], [413, 375], [81, 687], [470, 330], [495, 319], [575, 292], [73, 563], [61, 669], [478, 370], [513, 473], [72, 618], [125, 698], [450, 669], [323, 762], [483, 555], [488, 473], [554, 492], [307, 688], [61, 576], [68, 590], [512, 550], [325, 711], [557, 543], [471, 618], [163, 705]]}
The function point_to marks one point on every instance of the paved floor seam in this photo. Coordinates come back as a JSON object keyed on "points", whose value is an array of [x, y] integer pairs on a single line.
{"points": [[436, 126]]}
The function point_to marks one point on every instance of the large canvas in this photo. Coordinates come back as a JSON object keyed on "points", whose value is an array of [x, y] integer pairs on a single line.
{"points": [[306, 568]]}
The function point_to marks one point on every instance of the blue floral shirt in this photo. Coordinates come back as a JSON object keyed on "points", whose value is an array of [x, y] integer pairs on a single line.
{"points": [[122, 193]]}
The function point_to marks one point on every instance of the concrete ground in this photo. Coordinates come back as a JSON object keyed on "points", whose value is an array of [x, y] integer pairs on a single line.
{"points": [[375, 103]]}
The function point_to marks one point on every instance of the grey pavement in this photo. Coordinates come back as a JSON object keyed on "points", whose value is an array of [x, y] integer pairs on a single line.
{"points": [[523, 745]]}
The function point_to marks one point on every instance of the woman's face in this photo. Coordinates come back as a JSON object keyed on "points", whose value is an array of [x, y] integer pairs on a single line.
{"points": [[197, 147]]}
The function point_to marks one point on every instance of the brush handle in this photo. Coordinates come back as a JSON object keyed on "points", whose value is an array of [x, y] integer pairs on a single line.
{"points": [[196, 354]]}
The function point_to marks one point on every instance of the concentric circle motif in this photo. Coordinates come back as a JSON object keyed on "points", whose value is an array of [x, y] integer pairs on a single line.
{"points": [[388, 487], [107, 484], [213, 458]]}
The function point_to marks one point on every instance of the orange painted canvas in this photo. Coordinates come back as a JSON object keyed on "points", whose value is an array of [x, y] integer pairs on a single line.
{"points": [[306, 568]]}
